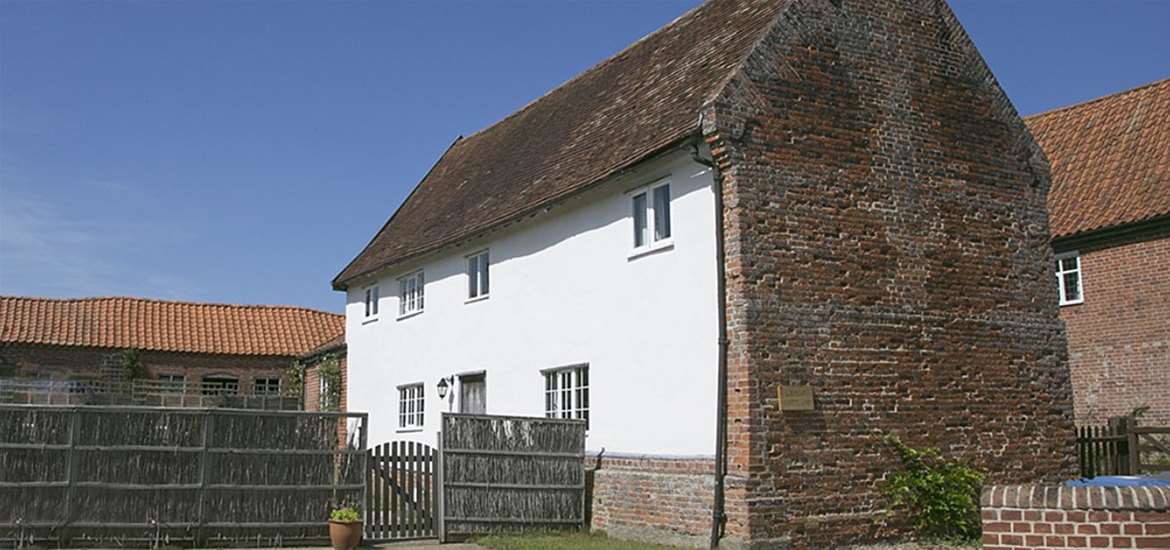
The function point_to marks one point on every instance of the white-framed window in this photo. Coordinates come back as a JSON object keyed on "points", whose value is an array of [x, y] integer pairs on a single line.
{"points": [[566, 392], [410, 293], [477, 275], [410, 406], [268, 385], [1068, 278], [651, 214], [372, 295], [326, 397]]}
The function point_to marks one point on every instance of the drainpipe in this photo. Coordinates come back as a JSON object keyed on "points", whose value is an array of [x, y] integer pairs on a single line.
{"points": [[718, 517]]}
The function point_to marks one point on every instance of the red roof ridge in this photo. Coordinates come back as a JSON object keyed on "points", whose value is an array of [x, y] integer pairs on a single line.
{"points": [[1088, 102], [167, 301]]}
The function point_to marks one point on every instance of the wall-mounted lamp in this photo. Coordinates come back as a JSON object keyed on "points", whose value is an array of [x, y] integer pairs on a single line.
{"points": [[444, 385]]}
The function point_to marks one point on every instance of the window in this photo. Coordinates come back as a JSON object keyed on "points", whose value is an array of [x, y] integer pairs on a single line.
{"points": [[477, 275], [566, 393], [1068, 278], [410, 406], [372, 296], [326, 397], [172, 382], [266, 386], [651, 216], [220, 385], [410, 294]]}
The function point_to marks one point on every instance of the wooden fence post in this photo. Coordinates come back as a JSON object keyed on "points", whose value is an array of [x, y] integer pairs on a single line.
{"points": [[440, 524], [1134, 446], [70, 478], [205, 438]]}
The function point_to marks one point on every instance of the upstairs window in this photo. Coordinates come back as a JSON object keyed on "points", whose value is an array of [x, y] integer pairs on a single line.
{"points": [[651, 216], [410, 406], [1068, 278], [410, 294], [566, 393], [372, 301], [477, 275]]}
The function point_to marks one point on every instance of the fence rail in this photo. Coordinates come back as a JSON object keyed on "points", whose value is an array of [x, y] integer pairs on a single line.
{"points": [[150, 393], [1122, 447], [118, 474], [506, 473]]}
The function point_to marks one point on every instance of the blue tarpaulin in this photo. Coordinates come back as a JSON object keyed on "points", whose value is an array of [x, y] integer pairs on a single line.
{"points": [[1118, 481]]}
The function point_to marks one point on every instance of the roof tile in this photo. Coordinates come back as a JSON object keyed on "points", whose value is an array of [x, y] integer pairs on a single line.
{"points": [[160, 325], [1110, 159]]}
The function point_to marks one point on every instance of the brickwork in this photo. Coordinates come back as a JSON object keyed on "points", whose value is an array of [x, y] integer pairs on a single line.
{"points": [[654, 499], [1119, 338], [312, 382], [887, 244], [69, 362], [1057, 517]]}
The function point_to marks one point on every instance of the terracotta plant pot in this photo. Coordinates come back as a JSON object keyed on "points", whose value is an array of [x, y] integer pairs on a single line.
{"points": [[345, 535]]}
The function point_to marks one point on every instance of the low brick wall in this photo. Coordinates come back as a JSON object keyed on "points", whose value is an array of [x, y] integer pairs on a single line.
{"points": [[653, 499], [1054, 517]]}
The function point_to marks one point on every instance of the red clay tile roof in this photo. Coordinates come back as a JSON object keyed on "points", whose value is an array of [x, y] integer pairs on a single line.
{"points": [[166, 326], [622, 110], [1110, 159]]}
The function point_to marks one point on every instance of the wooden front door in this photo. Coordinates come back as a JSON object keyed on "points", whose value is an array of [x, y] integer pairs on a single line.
{"points": [[473, 394]]}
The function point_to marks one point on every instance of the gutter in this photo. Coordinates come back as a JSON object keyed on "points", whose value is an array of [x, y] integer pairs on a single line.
{"points": [[718, 516]]}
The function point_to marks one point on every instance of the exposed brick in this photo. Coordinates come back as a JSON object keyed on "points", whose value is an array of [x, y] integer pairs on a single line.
{"points": [[886, 243]]}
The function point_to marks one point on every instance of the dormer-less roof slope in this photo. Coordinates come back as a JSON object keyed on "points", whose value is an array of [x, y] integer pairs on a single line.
{"points": [[626, 108], [1110, 159], [160, 325]]}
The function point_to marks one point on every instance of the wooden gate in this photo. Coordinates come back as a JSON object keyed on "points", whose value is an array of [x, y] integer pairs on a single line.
{"points": [[401, 492]]}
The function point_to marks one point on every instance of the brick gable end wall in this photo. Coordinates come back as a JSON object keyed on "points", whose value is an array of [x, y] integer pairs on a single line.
{"points": [[887, 244]]}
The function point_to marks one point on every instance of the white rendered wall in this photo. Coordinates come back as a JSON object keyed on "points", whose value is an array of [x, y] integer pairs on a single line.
{"points": [[564, 290]]}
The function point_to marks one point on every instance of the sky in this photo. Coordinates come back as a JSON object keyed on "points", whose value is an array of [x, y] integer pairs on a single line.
{"points": [[245, 151]]}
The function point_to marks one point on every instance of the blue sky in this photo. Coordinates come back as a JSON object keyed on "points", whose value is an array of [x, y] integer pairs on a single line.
{"points": [[245, 151]]}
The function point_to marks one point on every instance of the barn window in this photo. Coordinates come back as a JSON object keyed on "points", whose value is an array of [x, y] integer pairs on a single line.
{"points": [[1068, 278]]}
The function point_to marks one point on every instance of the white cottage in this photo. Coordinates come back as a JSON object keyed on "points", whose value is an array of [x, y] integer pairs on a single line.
{"points": [[831, 200]]}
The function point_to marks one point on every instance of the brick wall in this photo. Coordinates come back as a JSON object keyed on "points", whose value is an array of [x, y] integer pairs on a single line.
{"points": [[887, 244], [312, 380], [67, 362], [1119, 338], [1055, 517], [653, 499]]}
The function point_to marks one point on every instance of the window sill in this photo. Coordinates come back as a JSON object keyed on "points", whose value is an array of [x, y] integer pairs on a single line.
{"points": [[479, 298], [1076, 303], [370, 321], [660, 246], [408, 430], [406, 316]]}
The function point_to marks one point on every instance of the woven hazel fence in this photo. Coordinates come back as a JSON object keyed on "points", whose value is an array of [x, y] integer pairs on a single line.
{"points": [[508, 474], [126, 475]]}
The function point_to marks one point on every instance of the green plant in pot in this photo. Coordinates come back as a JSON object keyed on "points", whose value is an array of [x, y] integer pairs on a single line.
{"points": [[345, 528]]}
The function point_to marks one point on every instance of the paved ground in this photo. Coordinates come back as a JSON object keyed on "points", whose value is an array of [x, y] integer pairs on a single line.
{"points": [[411, 545]]}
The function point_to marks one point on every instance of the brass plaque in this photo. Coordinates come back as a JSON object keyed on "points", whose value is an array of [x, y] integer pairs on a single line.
{"points": [[795, 398]]}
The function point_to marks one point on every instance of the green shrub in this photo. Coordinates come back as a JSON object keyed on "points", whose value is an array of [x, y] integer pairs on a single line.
{"points": [[941, 496], [346, 514]]}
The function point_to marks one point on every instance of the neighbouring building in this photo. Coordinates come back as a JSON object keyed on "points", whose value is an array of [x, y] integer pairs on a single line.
{"points": [[53, 349], [760, 238], [1110, 213], [324, 376]]}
